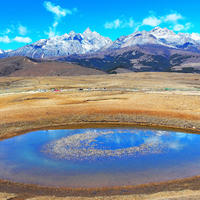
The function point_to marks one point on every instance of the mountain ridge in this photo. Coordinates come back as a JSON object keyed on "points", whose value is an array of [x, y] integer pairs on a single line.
{"points": [[92, 42], [159, 36], [140, 58], [155, 50], [67, 44]]}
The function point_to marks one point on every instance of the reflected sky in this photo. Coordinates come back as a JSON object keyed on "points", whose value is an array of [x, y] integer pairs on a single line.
{"points": [[99, 157]]}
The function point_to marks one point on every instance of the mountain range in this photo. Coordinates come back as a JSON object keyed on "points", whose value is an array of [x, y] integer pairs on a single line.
{"points": [[157, 50], [67, 44]]}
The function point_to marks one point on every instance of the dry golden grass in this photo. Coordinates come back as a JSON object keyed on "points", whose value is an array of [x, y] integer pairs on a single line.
{"points": [[165, 99], [157, 99]]}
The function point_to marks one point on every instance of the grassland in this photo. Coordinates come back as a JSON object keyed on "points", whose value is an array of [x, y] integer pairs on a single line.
{"points": [[159, 100]]}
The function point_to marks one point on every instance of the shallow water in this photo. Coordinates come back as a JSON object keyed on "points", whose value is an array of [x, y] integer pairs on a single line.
{"points": [[99, 157]]}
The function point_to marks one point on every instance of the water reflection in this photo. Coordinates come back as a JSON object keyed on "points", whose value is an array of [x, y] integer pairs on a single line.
{"points": [[99, 157], [106, 144]]}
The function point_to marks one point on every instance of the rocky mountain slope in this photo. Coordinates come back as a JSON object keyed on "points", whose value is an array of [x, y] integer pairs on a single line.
{"points": [[155, 50], [140, 58]]}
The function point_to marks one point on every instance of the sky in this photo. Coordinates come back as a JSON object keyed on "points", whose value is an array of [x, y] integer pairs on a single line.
{"points": [[27, 21]]}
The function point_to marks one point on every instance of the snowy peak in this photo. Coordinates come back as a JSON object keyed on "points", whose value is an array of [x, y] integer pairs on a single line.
{"points": [[87, 31], [162, 32], [137, 38], [67, 44], [171, 38], [72, 34], [91, 42], [91, 34], [160, 36], [1, 51], [195, 36]]}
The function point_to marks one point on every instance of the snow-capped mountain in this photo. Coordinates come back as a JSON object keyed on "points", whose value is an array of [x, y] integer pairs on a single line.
{"points": [[168, 37], [158, 50], [155, 50], [159, 36], [67, 44], [92, 42], [7, 51], [2, 53]]}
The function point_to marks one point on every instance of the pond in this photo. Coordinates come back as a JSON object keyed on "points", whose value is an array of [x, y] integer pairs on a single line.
{"points": [[100, 157]]}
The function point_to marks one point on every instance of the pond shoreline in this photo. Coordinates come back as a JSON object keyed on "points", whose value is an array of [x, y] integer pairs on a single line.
{"points": [[192, 183], [172, 110], [14, 129]]}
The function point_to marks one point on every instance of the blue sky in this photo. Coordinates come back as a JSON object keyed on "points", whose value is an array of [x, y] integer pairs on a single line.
{"points": [[26, 21]]}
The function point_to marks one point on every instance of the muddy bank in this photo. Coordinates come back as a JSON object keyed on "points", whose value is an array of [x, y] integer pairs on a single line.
{"points": [[99, 120], [192, 183]]}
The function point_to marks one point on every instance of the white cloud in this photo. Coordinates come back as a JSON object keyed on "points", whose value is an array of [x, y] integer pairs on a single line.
{"points": [[22, 30], [8, 31], [5, 32], [7, 35], [175, 145], [174, 17], [195, 36], [188, 26], [22, 39], [171, 20], [113, 25], [118, 23], [182, 27], [151, 21], [130, 23], [51, 33], [178, 27], [59, 13], [57, 10], [5, 39]]}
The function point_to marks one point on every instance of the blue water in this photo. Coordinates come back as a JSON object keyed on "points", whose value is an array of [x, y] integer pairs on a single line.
{"points": [[119, 157], [118, 141]]}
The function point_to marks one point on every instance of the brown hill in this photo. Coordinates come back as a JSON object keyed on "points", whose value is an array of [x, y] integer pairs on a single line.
{"points": [[151, 58], [23, 66]]}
